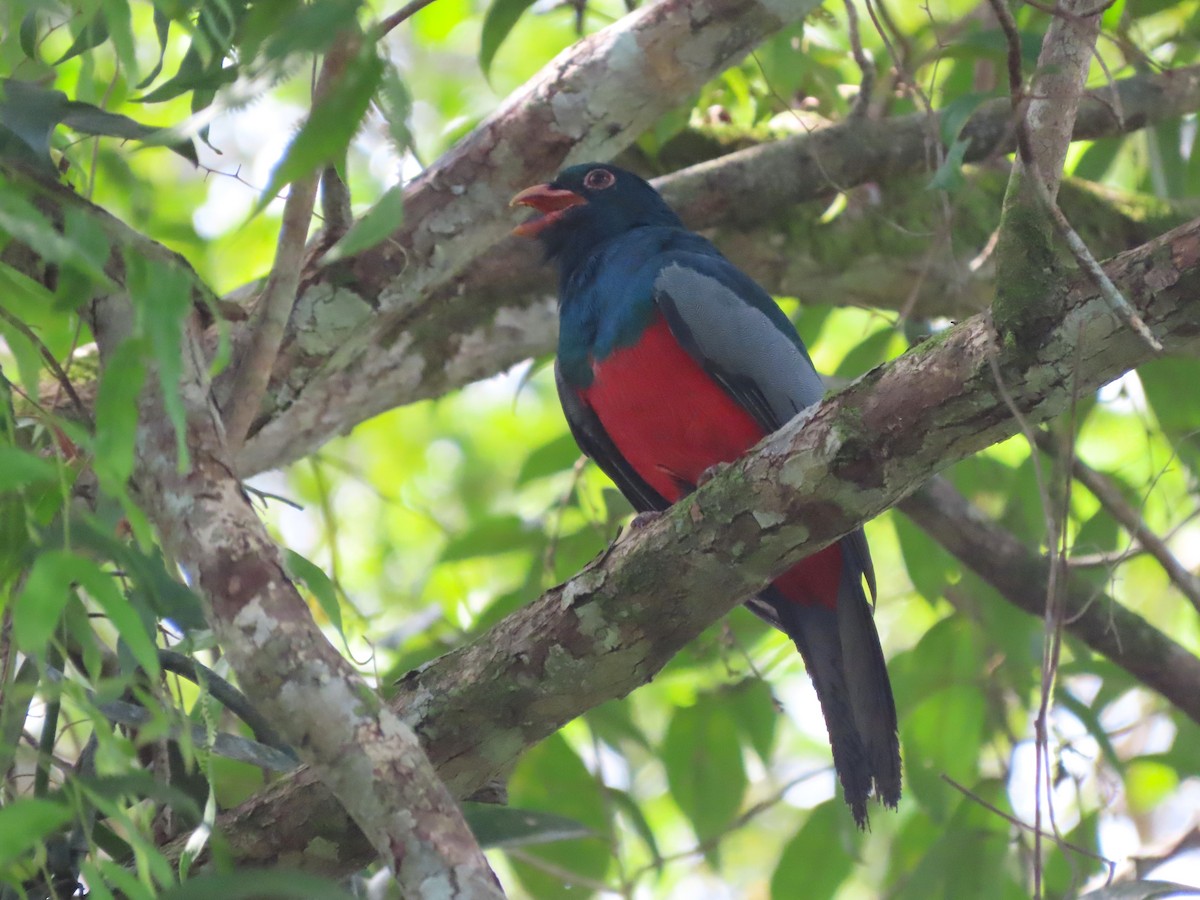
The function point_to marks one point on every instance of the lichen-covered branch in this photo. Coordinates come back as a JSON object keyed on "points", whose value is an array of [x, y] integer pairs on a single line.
{"points": [[589, 103], [363, 753], [500, 309], [609, 629], [1019, 575]]}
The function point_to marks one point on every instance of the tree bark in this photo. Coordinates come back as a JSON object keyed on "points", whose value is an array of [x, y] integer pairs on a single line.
{"points": [[363, 753], [836, 465]]}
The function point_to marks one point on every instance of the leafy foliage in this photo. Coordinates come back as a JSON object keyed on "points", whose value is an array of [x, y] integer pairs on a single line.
{"points": [[432, 522]]}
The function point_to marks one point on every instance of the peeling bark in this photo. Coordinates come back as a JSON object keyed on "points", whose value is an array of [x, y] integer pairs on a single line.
{"points": [[363, 753], [613, 626], [499, 311], [591, 102]]}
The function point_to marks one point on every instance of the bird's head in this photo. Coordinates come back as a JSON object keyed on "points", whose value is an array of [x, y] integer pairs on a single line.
{"points": [[587, 204]]}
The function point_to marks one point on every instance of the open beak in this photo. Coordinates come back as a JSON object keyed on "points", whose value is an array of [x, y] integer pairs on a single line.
{"points": [[548, 200]]}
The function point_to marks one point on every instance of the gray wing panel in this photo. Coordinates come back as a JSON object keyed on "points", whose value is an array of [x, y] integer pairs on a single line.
{"points": [[734, 330], [736, 340]]}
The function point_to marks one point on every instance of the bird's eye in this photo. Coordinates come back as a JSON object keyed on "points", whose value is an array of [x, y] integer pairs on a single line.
{"points": [[599, 179]]}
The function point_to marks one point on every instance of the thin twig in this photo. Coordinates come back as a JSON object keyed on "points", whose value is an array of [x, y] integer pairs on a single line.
{"points": [[405, 12], [744, 819], [1052, 620], [226, 694], [1130, 519], [865, 66], [55, 369], [1083, 256], [1025, 826], [279, 296]]}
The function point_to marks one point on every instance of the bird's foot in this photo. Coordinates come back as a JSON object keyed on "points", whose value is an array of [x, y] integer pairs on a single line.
{"points": [[710, 473], [643, 519]]}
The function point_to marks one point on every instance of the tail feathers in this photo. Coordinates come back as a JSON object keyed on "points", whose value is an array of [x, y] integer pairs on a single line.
{"points": [[841, 650], [870, 690]]}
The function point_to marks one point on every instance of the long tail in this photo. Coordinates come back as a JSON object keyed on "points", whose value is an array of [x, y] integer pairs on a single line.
{"points": [[822, 607]]}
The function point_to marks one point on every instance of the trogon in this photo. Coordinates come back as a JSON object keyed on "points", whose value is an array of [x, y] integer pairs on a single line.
{"points": [[670, 361]]}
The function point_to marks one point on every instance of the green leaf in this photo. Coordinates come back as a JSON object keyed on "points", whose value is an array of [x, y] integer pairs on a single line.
{"points": [[120, 27], [309, 28], [117, 415], [1147, 784], [162, 30], [18, 694], [867, 354], [949, 176], [968, 855], [756, 712], [396, 101], [88, 119], [252, 884], [25, 822], [19, 468], [942, 736], [489, 536], [28, 357], [504, 826], [552, 777], [557, 455], [142, 785], [28, 34], [1166, 382], [103, 872], [329, 128], [49, 586], [37, 608], [314, 578], [501, 16], [26, 224], [704, 765], [94, 33], [930, 567], [955, 114], [632, 812], [818, 858], [193, 74], [375, 226]]}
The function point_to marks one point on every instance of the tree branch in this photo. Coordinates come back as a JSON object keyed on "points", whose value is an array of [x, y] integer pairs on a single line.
{"points": [[499, 310], [590, 103], [1019, 575], [612, 627], [254, 365], [368, 758], [1114, 502]]}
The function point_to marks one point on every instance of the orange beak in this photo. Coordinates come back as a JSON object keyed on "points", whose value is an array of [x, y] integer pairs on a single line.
{"points": [[548, 200]]}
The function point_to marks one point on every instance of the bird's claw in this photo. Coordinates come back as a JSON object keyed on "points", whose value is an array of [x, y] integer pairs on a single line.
{"points": [[643, 519], [710, 473]]}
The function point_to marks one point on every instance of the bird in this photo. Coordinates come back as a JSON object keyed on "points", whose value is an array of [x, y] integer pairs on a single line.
{"points": [[670, 362]]}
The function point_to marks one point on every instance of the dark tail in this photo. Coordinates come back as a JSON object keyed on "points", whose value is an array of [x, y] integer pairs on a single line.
{"points": [[840, 646]]}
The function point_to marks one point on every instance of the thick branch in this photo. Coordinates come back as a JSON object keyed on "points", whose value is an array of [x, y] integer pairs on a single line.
{"points": [[1020, 574], [500, 311], [366, 756], [589, 103], [612, 627]]}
